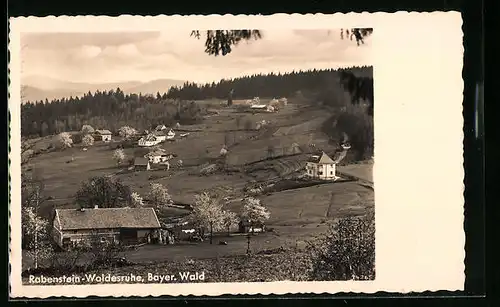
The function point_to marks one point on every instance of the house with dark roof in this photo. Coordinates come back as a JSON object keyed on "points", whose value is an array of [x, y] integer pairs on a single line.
{"points": [[125, 225], [103, 135], [141, 163], [321, 166]]}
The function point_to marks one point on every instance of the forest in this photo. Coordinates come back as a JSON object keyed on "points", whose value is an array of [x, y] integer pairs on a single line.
{"points": [[113, 109]]}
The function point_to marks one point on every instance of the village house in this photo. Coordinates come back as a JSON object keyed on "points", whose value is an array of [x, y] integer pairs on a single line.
{"points": [[160, 136], [103, 135], [120, 225], [245, 226], [160, 128], [262, 108], [141, 163], [148, 141], [159, 156], [321, 166], [170, 134]]}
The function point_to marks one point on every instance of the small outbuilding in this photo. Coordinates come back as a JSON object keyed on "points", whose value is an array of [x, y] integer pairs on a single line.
{"points": [[103, 135], [141, 163]]}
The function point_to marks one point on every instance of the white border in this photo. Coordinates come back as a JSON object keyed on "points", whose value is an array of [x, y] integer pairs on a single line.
{"points": [[418, 148]]}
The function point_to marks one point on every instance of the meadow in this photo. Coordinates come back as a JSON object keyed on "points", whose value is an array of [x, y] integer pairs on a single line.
{"points": [[297, 215]]}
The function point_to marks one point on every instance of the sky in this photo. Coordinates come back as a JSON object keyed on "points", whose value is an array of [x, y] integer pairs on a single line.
{"points": [[146, 56]]}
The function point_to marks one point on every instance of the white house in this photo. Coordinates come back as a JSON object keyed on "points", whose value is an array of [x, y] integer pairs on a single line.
{"points": [[170, 134], [284, 101], [103, 135], [160, 128], [160, 136], [148, 141], [321, 166], [159, 157]]}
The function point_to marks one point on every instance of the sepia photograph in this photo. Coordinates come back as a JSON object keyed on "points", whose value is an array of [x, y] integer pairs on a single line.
{"points": [[223, 155], [274, 154]]}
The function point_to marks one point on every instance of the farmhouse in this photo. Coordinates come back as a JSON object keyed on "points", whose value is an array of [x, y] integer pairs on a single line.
{"points": [[125, 225], [245, 226], [148, 141], [262, 108], [160, 128], [160, 136], [103, 135], [321, 166], [141, 163], [159, 156], [170, 134]]}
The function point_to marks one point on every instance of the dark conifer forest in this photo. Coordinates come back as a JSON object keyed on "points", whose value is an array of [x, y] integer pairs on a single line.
{"points": [[113, 109]]}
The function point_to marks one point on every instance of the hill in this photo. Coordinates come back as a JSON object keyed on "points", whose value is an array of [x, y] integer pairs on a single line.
{"points": [[37, 88]]}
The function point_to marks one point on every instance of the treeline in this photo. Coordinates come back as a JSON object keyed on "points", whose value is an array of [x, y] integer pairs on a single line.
{"points": [[114, 109], [278, 85], [105, 110]]}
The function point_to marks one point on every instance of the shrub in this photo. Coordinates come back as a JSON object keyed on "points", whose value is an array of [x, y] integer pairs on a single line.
{"points": [[347, 252], [358, 125]]}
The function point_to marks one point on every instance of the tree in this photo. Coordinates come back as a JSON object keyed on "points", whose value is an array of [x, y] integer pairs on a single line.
{"points": [[208, 213], [136, 200], [159, 196], [35, 229], [119, 156], [104, 192], [87, 129], [254, 212], [358, 125], [36, 235], [87, 140], [347, 252], [270, 151], [63, 141], [229, 219], [102, 252], [220, 42], [127, 132]]}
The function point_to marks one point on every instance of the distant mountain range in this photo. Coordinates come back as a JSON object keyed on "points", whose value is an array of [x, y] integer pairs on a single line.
{"points": [[35, 88]]}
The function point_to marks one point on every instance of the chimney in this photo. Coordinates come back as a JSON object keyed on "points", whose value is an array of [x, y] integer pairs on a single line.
{"points": [[96, 207]]}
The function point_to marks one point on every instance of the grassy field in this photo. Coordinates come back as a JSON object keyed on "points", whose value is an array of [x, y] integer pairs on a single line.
{"points": [[296, 215]]}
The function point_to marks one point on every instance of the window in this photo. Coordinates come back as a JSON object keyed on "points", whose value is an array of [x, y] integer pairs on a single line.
{"points": [[331, 172], [320, 173]]}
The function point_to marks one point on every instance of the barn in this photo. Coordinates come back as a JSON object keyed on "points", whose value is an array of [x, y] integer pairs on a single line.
{"points": [[124, 225]]}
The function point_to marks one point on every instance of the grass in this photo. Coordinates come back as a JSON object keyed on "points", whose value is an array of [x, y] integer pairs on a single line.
{"points": [[296, 215], [362, 171]]}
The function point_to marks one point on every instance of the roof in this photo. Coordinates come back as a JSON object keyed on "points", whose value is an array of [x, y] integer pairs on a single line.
{"points": [[321, 158], [159, 154], [259, 106], [149, 137], [141, 161], [103, 132], [73, 219]]}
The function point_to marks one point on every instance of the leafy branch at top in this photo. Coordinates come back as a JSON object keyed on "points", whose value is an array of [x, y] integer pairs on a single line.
{"points": [[220, 42]]}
